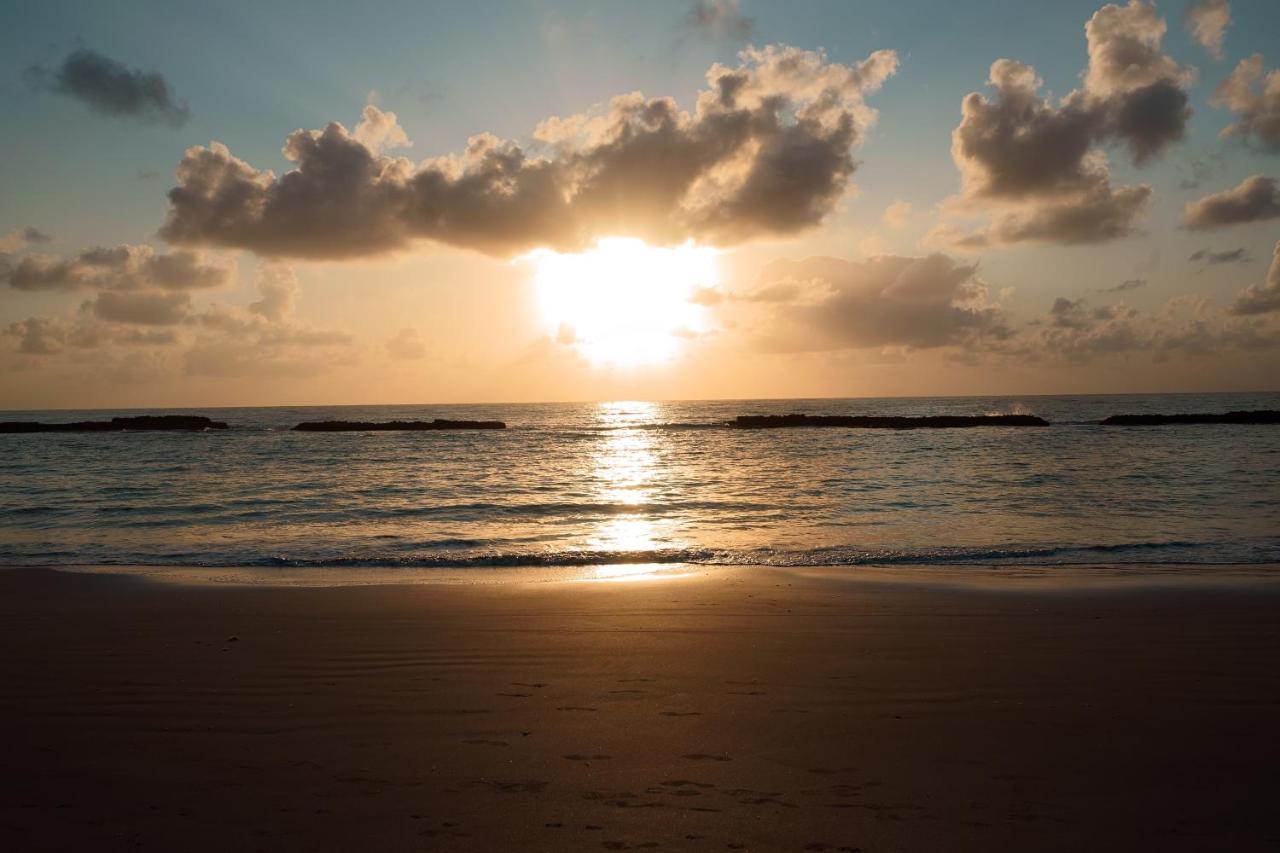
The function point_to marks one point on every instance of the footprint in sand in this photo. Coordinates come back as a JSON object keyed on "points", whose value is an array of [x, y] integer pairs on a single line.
{"points": [[516, 695], [528, 684], [702, 756], [575, 708]]}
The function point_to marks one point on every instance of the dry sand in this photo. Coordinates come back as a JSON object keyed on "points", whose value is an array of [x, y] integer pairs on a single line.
{"points": [[741, 709]]}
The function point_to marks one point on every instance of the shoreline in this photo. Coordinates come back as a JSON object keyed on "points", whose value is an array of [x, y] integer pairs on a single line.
{"points": [[1037, 577], [753, 709]]}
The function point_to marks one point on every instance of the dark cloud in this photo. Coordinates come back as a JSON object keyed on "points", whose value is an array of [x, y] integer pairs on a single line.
{"points": [[765, 152], [1230, 256], [917, 302], [1207, 21], [721, 18], [37, 336], [1043, 164], [123, 267], [1255, 199], [1099, 216], [111, 88], [1125, 286], [147, 308], [1264, 298], [1255, 99]]}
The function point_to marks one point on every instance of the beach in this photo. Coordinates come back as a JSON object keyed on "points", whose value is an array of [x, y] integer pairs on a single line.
{"points": [[709, 709]]}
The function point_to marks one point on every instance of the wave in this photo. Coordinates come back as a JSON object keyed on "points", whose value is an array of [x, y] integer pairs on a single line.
{"points": [[1130, 553]]}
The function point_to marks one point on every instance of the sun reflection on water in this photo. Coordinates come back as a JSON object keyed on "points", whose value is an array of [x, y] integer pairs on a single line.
{"points": [[625, 471]]}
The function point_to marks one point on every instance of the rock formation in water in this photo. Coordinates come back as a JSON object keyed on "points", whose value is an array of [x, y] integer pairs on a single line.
{"points": [[883, 422], [386, 426], [139, 423], [1259, 416]]}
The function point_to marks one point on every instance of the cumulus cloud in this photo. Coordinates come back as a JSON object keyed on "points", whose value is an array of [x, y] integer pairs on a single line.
{"points": [[1043, 164], [1255, 99], [1255, 199], [721, 18], [1230, 256], [16, 241], [1264, 298], [1207, 21], [279, 289], [122, 267], [111, 88], [1073, 331], [37, 336], [896, 214], [826, 303], [406, 345], [147, 308], [379, 131], [766, 151], [263, 338]]}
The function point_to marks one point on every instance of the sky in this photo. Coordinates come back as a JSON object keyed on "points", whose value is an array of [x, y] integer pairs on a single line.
{"points": [[305, 203]]}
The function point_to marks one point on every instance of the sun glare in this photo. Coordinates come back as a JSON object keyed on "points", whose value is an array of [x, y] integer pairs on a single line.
{"points": [[624, 303]]}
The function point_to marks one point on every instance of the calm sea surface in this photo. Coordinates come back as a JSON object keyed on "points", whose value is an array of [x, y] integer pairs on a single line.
{"points": [[636, 482]]}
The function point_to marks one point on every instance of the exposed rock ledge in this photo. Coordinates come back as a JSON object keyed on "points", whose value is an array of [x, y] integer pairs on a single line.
{"points": [[140, 423], [874, 422], [386, 426], [1260, 416]]}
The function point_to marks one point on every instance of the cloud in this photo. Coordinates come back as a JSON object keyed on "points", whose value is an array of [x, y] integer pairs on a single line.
{"points": [[1264, 299], [721, 18], [122, 267], [379, 131], [826, 303], [766, 152], [16, 241], [406, 345], [279, 289], [1230, 256], [264, 338], [1207, 21], [1075, 332], [145, 308], [1041, 166], [896, 214], [1125, 286], [1255, 199], [1255, 100], [37, 336], [108, 87]]}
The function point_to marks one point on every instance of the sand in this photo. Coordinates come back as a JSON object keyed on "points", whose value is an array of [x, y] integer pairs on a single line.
{"points": [[739, 709]]}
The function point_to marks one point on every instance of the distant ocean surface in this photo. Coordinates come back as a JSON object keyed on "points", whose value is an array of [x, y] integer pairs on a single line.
{"points": [[637, 482]]}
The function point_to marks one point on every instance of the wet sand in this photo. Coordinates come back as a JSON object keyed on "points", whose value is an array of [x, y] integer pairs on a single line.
{"points": [[737, 709]]}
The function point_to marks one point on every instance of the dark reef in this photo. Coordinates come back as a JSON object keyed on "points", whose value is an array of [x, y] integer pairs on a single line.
{"points": [[386, 426], [140, 423], [873, 422], [1260, 416]]}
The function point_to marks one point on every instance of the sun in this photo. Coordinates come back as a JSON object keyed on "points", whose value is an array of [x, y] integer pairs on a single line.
{"points": [[624, 303]]}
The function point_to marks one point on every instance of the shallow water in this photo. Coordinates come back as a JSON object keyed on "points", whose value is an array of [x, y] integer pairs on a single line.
{"points": [[637, 482]]}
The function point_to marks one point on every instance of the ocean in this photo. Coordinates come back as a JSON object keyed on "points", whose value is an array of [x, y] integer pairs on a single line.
{"points": [[599, 484]]}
